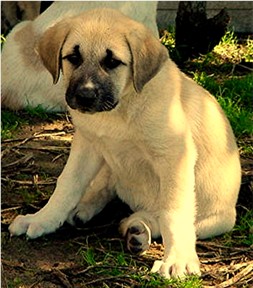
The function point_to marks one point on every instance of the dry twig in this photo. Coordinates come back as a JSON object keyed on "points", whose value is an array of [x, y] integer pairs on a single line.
{"points": [[23, 160], [232, 281]]}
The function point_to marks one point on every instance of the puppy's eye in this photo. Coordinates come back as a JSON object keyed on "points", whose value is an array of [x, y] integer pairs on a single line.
{"points": [[74, 58], [109, 62]]}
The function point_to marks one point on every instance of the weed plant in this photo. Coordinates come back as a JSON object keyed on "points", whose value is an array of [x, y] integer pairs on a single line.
{"points": [[119, 265], [12, 121], [242, 233]]}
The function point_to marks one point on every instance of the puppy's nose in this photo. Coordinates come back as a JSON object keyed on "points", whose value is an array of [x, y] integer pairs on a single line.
{"points": [[83, 98]]}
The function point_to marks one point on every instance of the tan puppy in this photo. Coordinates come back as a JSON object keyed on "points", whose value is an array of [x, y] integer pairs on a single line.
{"points": [[25, 81], [144, 129]]}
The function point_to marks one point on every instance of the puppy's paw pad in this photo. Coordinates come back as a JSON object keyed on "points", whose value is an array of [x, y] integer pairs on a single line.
{"points": [[138, 238]]}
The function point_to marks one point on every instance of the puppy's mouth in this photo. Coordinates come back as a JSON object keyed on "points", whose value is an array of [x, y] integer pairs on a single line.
{"points": [[88, 101], [98, 108]]}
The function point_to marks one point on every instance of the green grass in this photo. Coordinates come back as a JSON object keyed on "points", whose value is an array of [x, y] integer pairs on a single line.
{"points": [[216, 72], [110, 264], [28, 197], [230, 50], [234, 95], [16, 282], [11, 121], [38, 112], [244, 229], [242, 233]]}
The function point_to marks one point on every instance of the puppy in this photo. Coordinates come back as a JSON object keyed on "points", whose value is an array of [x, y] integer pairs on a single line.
{"points": [[25, 81], [144, 130]]}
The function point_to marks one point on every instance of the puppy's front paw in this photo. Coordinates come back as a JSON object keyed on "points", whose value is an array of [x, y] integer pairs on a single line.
{"points": [[177, 267], [138, 237], [32, 225]]}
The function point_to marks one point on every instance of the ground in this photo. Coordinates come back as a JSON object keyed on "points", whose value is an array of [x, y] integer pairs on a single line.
{"points": [[94, 255]]}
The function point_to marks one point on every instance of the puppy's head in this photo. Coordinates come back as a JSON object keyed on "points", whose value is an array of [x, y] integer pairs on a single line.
{"points": [[102, 54]]}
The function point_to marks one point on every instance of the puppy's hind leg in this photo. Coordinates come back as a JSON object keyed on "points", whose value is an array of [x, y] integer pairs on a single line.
{"points": [[138, 229], [98, 194], [216, 224]]}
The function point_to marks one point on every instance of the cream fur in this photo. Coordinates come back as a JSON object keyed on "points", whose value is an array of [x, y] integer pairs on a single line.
{"points": [[168, 150]]}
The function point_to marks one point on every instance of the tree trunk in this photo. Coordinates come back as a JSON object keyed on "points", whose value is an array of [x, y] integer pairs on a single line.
{"points": [[195, 34]]}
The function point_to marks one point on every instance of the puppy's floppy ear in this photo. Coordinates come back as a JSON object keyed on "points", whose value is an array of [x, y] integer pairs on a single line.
{"points": [[49, 47], [148, 54]]}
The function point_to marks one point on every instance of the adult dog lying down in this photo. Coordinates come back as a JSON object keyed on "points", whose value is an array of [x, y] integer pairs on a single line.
{"points": [[25, 81], [144, 130]]}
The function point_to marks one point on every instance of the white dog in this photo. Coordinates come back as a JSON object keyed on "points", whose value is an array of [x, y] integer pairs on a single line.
{"points": [[144, 130], [25, 81]]}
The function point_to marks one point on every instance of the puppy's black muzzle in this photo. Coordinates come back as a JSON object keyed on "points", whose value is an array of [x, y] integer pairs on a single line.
{"points": [[90, 99]]}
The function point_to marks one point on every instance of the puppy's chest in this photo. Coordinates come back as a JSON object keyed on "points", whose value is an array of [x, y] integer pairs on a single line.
{"points": [[133, 169], [124, 155], [125, 149], [126, 152]]}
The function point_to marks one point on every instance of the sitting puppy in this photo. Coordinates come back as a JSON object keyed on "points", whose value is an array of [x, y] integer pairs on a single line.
{"points": [[144, 130], [25, 81]]}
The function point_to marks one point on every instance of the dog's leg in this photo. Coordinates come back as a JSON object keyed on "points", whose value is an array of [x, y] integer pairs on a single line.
{"points": [[138, 229], [176, 211], [180, 257], [216, 224], [82, 166], [98, 194]]}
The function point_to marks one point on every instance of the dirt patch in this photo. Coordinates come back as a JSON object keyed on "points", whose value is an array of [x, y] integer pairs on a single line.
{"points": [[31, 163]]}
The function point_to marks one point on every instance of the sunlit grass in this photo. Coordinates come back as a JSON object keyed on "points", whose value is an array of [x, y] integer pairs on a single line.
{"points": [[124, 266], [234, 95], [242, 233]]}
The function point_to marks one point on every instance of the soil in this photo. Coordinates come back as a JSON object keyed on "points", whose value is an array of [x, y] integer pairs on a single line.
{"points": [[31, 163]]}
